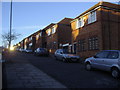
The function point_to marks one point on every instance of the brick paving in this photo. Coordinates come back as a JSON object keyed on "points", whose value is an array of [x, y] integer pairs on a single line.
{"points": [[25, 75]]}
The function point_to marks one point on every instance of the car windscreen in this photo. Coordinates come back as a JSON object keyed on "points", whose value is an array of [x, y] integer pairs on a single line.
{"points": [[42, 49], [65, 51]]}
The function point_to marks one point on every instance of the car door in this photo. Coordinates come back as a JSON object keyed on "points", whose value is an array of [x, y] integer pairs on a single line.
{"points": [[60, 54], [57, 54], [37, 50], [111, 59], [99, 59]]}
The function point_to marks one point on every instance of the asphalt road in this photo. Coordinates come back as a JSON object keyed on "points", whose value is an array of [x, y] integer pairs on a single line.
{"points": [[72, 75]]}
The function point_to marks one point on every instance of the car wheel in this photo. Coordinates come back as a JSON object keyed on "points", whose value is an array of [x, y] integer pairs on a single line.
{"points": [[56, 58], [77, 61], [34, 54], [88, 66], [115, 73], [64, 60]]}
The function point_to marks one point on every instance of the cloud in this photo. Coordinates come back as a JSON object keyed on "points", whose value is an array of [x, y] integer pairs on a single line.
{"points": [[32, 27], [29, 27]]}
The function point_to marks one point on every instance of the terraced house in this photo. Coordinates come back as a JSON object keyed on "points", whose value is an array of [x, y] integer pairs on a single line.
{"points": [[29, 42], [44, 35], [96, 29], [33, 41], [59, 35]]}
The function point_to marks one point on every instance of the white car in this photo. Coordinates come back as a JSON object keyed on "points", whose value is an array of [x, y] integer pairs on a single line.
{"points": [[22, 50], [108, 60], [62, 54], [28, 51]]}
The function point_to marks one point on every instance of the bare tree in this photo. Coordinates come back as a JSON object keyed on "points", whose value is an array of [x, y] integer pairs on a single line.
{"points": [[8, 38]]}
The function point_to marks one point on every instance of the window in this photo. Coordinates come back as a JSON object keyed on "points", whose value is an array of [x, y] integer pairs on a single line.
{"points": [[30, 38], [53, 30], [93, 43], [50, 45], [60, 51], [79, 23], [37, 37], [81, 45], [40, 34], [113, 55], [57, 51], [92, 17], [102, 54], [30, 44], [49, 32], [26, 40]]}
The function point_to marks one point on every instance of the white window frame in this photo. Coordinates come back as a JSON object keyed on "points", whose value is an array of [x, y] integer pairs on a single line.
{"points": [[80, 23], [40, 34], [92, 17], [37, 36], [30, 44], [53, 30], [49, 32], [30, 38]]}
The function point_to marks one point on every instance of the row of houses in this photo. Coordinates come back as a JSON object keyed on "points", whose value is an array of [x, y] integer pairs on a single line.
{"points": [[96, 29]]}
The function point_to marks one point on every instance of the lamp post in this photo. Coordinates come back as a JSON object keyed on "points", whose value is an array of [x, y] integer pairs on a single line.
{"points": [[10, 24], [118, 2]]}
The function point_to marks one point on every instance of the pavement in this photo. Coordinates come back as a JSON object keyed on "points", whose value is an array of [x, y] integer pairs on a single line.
{"points": [[0, 71], [22, 74], [22, 70]]}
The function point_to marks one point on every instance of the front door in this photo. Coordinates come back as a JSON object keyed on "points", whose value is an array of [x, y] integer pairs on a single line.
{"points": [[74, 48]]}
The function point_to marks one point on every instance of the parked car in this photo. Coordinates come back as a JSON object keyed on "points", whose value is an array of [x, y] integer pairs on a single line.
{"points": [[5, 51], [108, 60], [41, 52], [22, 50], [62, 54], [28, 51], [17, 49]]}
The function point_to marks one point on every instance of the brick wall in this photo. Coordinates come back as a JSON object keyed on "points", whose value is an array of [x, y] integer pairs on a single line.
{"points": [[106, 28]]}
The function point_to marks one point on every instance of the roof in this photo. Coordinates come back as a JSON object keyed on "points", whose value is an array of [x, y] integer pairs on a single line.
{"points": [[101, 3], [65, 21], [48, 26]]}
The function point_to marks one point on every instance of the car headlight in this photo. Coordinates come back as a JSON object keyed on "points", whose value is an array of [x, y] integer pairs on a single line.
{"points": [[78, 57], [66, 56]]}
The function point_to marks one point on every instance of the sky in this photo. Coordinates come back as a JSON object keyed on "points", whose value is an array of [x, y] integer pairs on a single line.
{"points": [[29, 17]]}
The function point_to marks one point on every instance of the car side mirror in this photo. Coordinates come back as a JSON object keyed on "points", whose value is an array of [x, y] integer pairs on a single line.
{"points": [[61, 53]]}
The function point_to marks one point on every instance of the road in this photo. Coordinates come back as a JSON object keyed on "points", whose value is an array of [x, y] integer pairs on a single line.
{"points": [[72, 75]]}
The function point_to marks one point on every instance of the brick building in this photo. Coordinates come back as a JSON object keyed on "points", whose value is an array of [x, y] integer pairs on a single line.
{"points": [[33, 41], [28, 42], [44, 35], [59, 35], [96, 29]]}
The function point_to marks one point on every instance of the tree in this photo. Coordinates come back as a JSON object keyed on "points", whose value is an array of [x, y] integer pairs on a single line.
{"points": [[8, 37]]}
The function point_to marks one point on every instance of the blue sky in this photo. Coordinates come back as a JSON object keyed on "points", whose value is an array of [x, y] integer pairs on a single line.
{"points": [[29, 17]]}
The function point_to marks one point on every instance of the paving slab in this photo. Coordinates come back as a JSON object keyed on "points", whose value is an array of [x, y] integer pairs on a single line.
{"points": [[25, 75]]}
